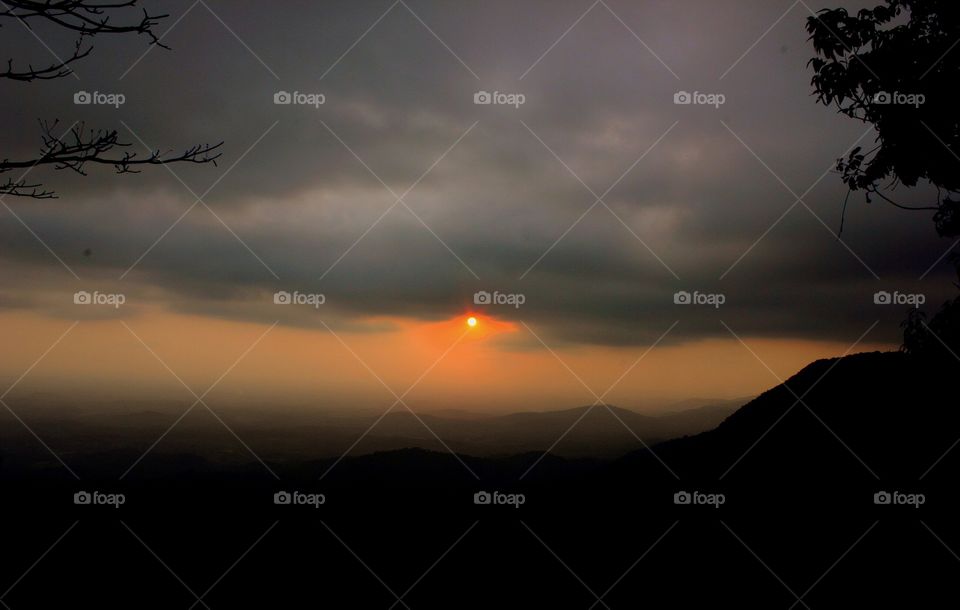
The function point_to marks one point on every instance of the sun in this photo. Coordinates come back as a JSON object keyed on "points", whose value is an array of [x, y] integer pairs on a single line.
{"points": [[471, 322]]}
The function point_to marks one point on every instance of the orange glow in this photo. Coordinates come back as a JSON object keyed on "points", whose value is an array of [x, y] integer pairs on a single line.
{"points": [[479, 326], [496, 365]]}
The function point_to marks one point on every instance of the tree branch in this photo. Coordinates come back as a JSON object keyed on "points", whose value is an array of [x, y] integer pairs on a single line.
{"points": [[86, 17], [79, 146], [19, 188]]}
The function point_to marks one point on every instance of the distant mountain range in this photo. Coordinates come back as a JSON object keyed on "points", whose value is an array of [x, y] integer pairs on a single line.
{"points": [[799, 481], [863, 418], [599, 431], [830, 437]]}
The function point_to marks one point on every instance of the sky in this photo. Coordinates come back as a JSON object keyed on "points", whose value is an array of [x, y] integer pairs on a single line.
{"points": [[586, 208]]}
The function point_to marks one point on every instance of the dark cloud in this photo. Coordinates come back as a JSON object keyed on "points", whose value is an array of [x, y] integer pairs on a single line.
{"points": [[599, 100]]}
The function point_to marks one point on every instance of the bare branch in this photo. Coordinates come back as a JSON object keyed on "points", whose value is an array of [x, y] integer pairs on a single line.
{"points": [[80, 146], [86, 17], [19, 188], [58, 69], [901, 206]]}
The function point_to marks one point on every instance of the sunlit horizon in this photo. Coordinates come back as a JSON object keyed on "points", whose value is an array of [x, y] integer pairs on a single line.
{"points": [[496, 366]]}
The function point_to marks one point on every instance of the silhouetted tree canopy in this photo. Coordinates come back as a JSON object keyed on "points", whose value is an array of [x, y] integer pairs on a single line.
{"points": [[896, 67], [74, 147], [937, 340]]}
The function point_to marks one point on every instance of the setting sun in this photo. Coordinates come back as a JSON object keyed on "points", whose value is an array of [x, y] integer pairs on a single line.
{"points": [[471, 321]]}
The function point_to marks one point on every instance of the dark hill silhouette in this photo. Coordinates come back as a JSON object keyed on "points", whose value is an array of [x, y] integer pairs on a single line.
{"points": [[796, 504], [867, 421], [896, 414], [864, 419]]}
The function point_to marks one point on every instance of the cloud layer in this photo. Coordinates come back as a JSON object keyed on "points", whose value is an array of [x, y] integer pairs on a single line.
{"points": [[598, 199]]}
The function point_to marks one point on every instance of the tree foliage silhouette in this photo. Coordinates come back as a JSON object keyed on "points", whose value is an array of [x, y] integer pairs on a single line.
{"points": [[938, 340], [896, 67], [76, 147]]}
